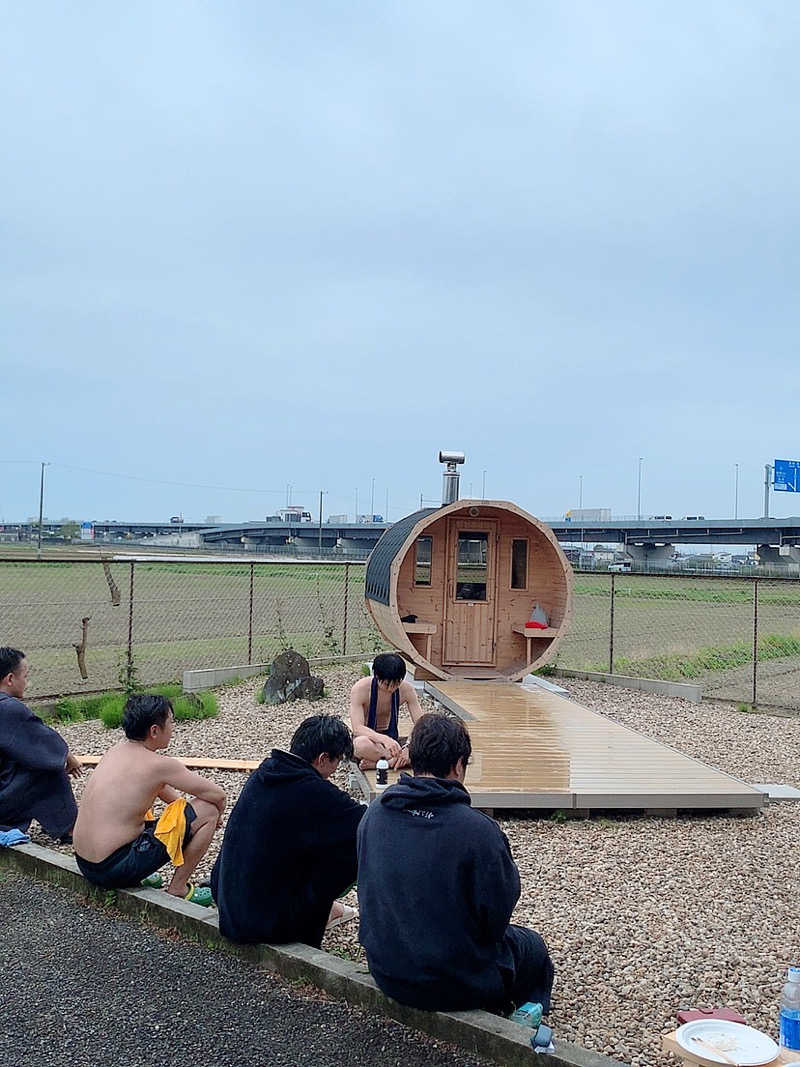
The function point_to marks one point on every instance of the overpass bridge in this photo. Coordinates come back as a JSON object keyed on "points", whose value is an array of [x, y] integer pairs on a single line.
{"points": [[645, 540]]}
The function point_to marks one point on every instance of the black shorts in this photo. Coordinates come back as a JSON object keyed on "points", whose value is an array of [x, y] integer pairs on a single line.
{"points": [[130, 863]]}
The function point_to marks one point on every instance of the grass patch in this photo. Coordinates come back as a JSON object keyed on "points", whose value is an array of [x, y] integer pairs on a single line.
{"points": [[108, 707], [713, 658]]}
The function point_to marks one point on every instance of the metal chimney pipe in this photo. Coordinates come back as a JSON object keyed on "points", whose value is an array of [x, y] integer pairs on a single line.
{"points": [[450, 477]]}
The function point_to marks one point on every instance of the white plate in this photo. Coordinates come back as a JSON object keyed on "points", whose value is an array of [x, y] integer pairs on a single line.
{"points": [[746, 1046]]}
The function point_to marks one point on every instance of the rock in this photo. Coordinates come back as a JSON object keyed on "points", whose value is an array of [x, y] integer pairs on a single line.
{"points": [[290, 679]]}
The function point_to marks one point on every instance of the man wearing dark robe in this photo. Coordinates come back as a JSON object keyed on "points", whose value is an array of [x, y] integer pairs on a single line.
{"points": [[437, 886], [290, 843], [34, 760]]}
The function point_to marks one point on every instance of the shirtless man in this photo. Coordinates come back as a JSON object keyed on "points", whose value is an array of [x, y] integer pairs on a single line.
{"points": [[117, 842], [374, 707]]}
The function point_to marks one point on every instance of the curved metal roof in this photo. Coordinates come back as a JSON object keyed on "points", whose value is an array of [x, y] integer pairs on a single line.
{"points": [[380, 561]]}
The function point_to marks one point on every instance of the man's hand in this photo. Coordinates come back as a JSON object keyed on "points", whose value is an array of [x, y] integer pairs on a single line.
{"points": [[73, 766], [391, 748], [400, 760]]}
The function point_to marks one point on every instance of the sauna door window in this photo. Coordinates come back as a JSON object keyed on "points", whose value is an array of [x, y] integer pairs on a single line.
{"points": [[472, 565], [422, 562]]}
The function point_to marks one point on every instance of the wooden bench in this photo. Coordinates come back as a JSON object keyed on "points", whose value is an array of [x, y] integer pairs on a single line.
{"points": [[529, 633], [427, 628]]}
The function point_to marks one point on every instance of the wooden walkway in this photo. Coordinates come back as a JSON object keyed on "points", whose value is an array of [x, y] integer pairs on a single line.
{"points": [[536, 749]]}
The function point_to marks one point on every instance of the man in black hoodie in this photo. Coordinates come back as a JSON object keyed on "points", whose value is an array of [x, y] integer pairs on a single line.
{"points": [[290, 844], [437, 886]]}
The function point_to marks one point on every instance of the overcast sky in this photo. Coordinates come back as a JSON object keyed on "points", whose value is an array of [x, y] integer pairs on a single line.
{"points": [[247, 245]]}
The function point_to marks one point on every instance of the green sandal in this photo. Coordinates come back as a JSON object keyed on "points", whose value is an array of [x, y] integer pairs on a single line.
{"points": [[152, 881], [199, 894]]}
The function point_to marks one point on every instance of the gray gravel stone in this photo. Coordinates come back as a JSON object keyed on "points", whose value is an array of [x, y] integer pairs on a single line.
{"points": [[642, 915]]}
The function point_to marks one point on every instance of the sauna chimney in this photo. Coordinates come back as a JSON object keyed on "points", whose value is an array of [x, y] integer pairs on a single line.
{"points": [[450, 476]]}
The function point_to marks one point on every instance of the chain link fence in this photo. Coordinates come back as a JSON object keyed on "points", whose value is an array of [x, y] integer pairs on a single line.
{"points": [[739, 638], [151, 620]]}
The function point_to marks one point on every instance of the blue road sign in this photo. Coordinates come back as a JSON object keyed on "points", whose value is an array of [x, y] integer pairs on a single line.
{"points": [[787, 474]]}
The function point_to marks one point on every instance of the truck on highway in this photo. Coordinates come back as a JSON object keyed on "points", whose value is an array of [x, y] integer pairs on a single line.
{"points": [[294, 513], [588, 515]]}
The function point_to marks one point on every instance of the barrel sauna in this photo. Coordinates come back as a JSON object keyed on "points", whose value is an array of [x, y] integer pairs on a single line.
{"points": [[451, 588]]}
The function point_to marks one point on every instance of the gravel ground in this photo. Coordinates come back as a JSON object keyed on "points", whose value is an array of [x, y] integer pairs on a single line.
{"points": [[85, 987], [643, 915]]}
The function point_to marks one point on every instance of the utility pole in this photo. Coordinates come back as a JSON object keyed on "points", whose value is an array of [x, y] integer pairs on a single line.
{"points": [[386, 512], [355, 517], [639, 492], [483, 488], [320, 521], [580, 492], [736, 493], [41, 512], [767, 473], [372, 500]]}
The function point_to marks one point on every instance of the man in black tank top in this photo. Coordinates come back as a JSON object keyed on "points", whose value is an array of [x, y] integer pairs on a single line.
{"points": [[374, 712]]}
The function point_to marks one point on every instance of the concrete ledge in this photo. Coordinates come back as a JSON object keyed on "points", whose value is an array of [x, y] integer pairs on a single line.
{"points": [[476, 1031], [210, 677], [684, 690]]}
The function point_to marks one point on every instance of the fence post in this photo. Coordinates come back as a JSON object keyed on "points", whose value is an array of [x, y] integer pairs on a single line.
{"points": [[611, 629], [346, 598], [755, 640], [250, 619], [129, 670]]}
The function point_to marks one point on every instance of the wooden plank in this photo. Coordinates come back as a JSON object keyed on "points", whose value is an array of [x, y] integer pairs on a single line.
{"points": [[195, 762], [540, 749]]}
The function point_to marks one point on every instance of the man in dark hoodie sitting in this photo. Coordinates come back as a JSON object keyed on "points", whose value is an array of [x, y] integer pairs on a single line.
{"points": [[437, 886], [290, 844]]}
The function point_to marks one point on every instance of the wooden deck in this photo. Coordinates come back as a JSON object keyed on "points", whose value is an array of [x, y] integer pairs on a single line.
{"points": [[535, 749]]}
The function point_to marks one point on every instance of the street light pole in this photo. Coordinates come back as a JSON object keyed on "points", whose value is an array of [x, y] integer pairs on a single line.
{"points": [[372, 500], [320, 522], [580, 492], [639, 492], [736, 494], [483, 487], [41, 512]]}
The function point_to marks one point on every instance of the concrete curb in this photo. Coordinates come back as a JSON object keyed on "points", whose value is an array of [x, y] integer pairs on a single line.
{"points": [[684, 690], [210, 677], [475, 1031]]}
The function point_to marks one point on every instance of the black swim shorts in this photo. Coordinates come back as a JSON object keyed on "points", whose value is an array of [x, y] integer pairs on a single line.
{"points": [[130, 863]]}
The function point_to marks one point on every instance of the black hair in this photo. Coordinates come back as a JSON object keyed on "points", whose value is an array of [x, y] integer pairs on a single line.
{"points": [[143, 711], [389, 667], [10, 659], [322, 733], [437, 744]]}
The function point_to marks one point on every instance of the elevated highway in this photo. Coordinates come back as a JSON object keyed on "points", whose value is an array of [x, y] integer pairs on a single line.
{"points": [[778, 540]]}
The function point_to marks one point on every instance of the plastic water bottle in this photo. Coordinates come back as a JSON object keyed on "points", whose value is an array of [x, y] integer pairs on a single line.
{"points": [[381, 774], [790, 1011]]}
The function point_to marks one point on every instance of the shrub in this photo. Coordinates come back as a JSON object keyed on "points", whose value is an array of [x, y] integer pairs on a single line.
{"points": [[108, 707]]}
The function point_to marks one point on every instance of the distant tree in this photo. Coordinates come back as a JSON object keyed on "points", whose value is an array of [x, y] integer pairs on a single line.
{"points": [[69, 530]]}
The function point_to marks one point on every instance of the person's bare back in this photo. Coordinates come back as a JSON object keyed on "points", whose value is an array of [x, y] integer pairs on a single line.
{"points": [[121, 790], [115, 844]]}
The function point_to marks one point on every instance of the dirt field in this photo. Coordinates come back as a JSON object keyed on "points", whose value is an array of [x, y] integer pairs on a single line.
{"points": [[189, 615]]}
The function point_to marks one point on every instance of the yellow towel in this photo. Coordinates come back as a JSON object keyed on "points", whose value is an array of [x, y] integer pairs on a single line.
{"points": [[170, 829]]}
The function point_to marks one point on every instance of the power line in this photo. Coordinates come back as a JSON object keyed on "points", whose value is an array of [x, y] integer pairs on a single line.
{"points": [[164, 481]]}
